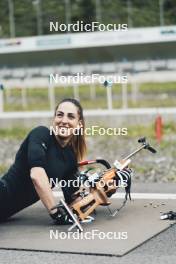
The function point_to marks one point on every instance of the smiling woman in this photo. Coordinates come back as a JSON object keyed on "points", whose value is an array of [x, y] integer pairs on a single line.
{"points": [[68, 118], [42, 157]]}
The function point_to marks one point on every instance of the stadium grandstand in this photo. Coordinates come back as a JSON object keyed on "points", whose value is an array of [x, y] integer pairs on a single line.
{"points": [[30, 51], [141, 48]]}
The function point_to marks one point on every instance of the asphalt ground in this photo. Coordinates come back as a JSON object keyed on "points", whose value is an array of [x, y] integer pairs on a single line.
{"points": [[159, 249]]}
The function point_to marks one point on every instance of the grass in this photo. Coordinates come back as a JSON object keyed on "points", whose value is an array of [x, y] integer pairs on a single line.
{"points": [[150, 95], [3, 169], [158, 88], [14, 133], [133, 131], [19, 133]]}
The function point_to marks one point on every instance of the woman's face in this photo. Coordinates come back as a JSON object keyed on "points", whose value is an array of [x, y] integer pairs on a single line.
{"points": [[66, 120]]}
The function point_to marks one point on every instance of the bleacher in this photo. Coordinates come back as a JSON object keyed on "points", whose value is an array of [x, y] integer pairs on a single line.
{"points": [[103, 68]]}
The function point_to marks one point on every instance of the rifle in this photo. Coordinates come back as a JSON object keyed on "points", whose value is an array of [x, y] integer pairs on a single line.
{"points": [[104, 185]]}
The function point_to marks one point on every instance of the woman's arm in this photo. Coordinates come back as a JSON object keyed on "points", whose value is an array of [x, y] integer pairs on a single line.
{"points": [[42, 187]]}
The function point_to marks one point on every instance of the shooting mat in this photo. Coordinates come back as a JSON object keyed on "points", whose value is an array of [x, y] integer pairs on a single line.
{"points": [[31, 229]]}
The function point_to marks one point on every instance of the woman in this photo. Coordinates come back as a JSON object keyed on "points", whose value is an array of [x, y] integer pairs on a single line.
{"points": [[43, 157]]}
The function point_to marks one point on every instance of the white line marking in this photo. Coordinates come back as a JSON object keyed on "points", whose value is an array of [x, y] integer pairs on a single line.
{"points": [[157, 196]]}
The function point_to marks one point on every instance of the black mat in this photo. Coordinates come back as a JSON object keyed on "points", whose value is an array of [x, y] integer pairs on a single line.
{"points": [[32, 229]]}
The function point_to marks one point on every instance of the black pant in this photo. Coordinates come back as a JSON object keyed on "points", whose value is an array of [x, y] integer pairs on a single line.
{"points": [[10, 205], [4, 200]]}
